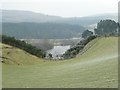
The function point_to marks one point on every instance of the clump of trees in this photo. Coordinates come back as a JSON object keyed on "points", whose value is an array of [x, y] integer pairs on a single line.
{"points": [[23, 45], [73, 51], [106, 28], [87, 33]]}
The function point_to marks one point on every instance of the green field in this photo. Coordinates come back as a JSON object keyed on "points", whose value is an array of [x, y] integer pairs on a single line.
{"points": [[95, 68]]}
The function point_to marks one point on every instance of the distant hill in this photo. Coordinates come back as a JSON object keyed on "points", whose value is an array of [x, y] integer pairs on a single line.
{"points": [[41, 30], [31, 25], [15, 16], [90, 20]]}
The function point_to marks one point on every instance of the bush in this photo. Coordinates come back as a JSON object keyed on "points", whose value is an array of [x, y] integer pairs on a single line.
{"points": [[87, 33]]}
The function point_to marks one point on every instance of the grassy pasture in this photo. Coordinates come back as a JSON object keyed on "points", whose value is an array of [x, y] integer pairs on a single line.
{"points": [[96, 68]]}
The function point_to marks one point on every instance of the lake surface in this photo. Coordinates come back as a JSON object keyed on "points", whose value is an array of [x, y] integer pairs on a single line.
{"points": [[58, 50], [47, 44]]}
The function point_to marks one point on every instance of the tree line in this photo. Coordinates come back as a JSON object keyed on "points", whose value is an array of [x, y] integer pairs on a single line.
{"points": [[73, 51], [23, 45]]}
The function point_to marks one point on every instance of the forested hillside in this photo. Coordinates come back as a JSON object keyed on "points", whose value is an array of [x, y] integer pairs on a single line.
{"points": [[41, 30]]}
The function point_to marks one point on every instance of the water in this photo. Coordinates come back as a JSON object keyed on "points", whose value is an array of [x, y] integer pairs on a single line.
{"points": [[58, 50]]}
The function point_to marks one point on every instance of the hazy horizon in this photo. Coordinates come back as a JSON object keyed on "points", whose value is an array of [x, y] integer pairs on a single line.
{"points": [[114, 13], [63, 8]]}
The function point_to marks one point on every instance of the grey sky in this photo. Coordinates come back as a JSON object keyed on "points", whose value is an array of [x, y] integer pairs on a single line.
{"points": [[65, 8]]}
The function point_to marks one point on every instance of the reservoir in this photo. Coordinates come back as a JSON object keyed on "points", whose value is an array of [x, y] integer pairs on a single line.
{"points": [[58, 50]]}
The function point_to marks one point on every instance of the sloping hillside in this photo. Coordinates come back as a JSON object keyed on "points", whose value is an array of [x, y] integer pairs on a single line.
{"points": [[13, 55], [41, 30], [96, 68]]}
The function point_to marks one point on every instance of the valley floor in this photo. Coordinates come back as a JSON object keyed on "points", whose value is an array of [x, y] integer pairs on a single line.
{"points": [[96, 68]]}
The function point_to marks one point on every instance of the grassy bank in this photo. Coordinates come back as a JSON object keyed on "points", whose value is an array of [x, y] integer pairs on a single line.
{"points": [[97, 67]]}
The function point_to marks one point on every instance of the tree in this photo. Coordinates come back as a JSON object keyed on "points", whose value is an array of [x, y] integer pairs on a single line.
{"points": [[87, 33], [50, 55], [106, 27]]}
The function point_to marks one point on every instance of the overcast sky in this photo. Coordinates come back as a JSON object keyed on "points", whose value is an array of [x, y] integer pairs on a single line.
{"points": [[65, 8]]}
